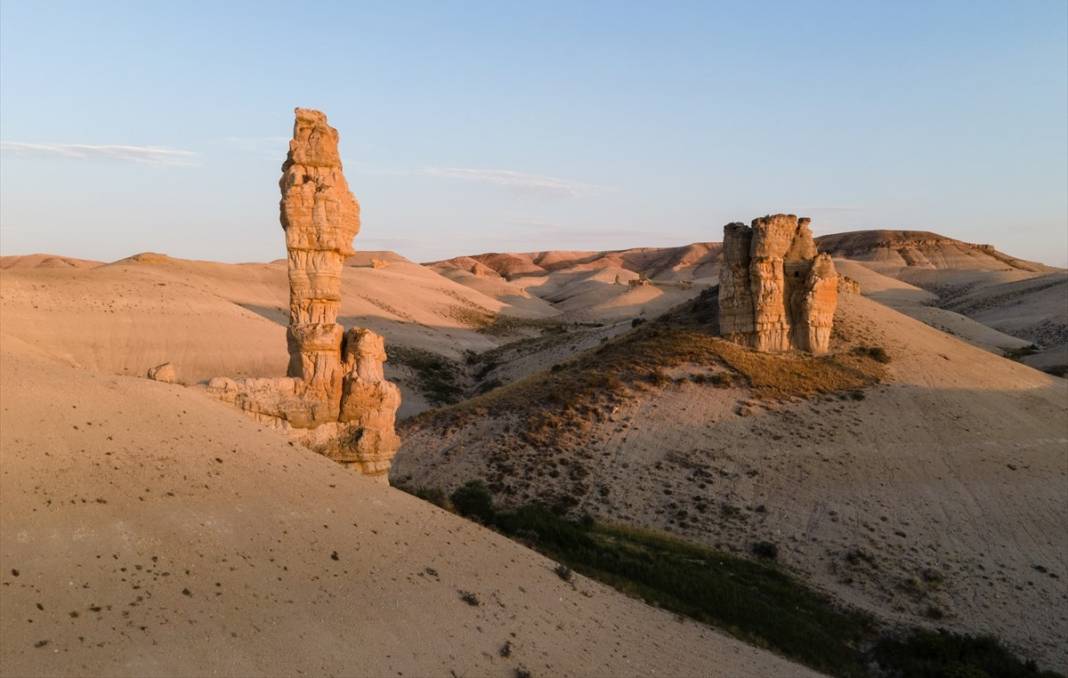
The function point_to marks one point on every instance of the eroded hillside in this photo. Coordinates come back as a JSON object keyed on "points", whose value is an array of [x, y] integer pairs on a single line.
{"points": [[907, 472]]}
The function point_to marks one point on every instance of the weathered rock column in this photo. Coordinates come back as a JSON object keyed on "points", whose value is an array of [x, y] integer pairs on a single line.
{"points": [[320, 217], [368, 403], [336, 400], [775, 291]]}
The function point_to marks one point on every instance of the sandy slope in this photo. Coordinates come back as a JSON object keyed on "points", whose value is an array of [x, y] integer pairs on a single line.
{"points": [[1034, 308], [594, 286], [998, 293], [918, 303], [211, 319], [146, 530], [958, 466]]}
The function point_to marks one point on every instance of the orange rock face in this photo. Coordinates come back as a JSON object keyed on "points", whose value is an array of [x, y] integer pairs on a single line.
{"points": [[335, 399], [776, 292], [320, 217], [369, 404]]}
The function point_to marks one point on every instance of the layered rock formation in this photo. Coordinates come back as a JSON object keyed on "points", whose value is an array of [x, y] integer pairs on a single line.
{"points": [[369, 404], [776, 292], [335, 398], [320, 217], [164, 372]]}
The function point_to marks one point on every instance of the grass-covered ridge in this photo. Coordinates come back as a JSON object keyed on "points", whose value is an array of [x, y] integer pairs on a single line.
{"points": [[758, 602], [582, 389]]}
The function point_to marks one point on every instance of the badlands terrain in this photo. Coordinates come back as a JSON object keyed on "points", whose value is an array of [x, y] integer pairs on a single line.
{"points": [[918, 472]]}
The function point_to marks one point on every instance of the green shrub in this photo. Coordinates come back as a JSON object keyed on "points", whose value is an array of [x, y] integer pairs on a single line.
{"points": [[765, 549], [1022, 352], [473, 499], [433, 495], [757, 602], [942, 654]]}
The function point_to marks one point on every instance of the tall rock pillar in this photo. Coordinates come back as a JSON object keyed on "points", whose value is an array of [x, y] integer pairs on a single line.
{"points": [[320, 217]]}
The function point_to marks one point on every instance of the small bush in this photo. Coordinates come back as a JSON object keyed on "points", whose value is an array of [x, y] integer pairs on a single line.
{"points": [[1058, 370], [876, 353], [438, 377], [563, 571], [473, 500], [636, 322], [1022, 352], [433, 495], [857, 556], [765, 549], [469, 598]]}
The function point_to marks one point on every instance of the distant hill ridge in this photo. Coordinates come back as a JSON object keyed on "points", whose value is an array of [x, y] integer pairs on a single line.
{"points": [[923, 249], [903, 248]]}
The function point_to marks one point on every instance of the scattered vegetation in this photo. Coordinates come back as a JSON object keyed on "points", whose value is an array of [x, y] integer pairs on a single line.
{"points": [[438, 378], [507, 325], [563, 571], [941, 654], [759, 603], [876, 353], [765, 549], [473, 500], [569, 397], [1021, 352], [754, 600]]}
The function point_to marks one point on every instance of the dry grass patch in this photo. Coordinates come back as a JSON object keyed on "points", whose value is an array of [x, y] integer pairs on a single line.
{"points": [[575, 394]]}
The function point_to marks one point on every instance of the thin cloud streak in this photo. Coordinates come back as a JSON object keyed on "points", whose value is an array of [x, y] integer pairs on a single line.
{"points": [[521, 181], [149, 155]]}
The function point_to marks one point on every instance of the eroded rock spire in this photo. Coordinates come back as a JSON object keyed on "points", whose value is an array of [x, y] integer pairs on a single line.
{"points": [[320, 217], [335, 399], [776, 292]]}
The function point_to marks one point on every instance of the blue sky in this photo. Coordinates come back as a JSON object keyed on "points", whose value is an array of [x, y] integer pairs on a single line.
{"points": [[471, 127]]}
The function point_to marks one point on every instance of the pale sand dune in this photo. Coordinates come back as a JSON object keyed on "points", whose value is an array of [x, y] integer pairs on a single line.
{"points": [[957, 465], [147, 530]]}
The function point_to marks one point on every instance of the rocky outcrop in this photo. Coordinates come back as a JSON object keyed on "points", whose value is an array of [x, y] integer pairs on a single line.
{"points": [[847, 285], [776, 292], [335, 399], [164, 372], [369, 404]]}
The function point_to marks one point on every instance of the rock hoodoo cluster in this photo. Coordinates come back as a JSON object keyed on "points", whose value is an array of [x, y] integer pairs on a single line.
{"points": [[776, 292], [335, 398]]}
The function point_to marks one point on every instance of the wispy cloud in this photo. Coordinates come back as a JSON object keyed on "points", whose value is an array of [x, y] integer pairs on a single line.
{"points": [[520, 181], [150, 155]]}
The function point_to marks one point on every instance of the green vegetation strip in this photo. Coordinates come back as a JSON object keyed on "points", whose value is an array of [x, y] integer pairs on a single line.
{"points": [[755, 601]]}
